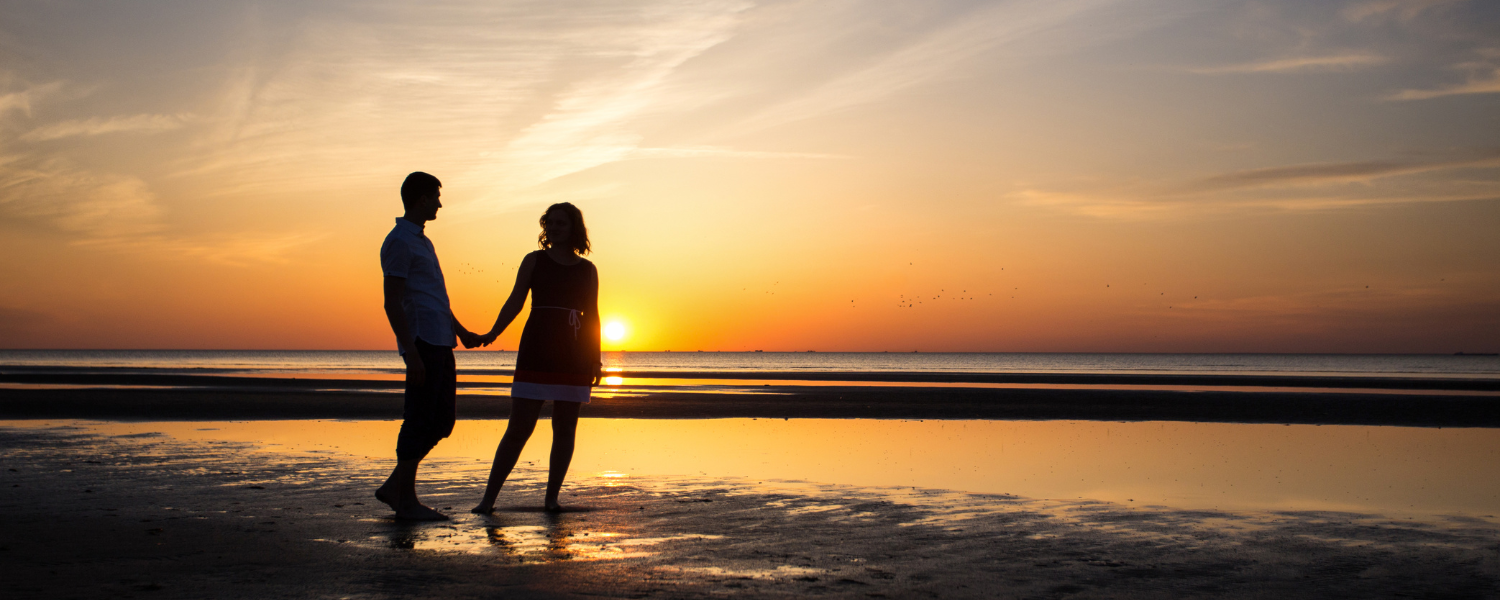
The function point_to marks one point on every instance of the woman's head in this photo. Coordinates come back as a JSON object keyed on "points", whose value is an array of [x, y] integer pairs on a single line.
{"points": [[562, 225]]}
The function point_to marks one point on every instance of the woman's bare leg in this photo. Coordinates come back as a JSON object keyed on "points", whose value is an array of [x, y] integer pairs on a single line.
{"points": [[564, 432], [523, 414]]}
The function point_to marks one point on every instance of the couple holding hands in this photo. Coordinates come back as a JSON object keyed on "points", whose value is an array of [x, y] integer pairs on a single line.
{"points": [[558, 359]]}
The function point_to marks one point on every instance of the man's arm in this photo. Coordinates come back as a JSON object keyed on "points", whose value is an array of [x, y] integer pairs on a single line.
{"points": [[468, 338], [395, 291]]}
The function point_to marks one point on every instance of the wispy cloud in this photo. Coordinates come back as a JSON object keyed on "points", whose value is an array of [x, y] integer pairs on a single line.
{"points": [[507, 99], [1121, 206], [719, 152], [111, 211], [100, 126], [502, 97], [1404, 10], [1344, 172], [588, 124], [1488, 83], [934, 55], [1112, 205], [235, 249], [50, 188], [1302, 64], [75, 200], [1327, 203], [22, 100], [1296, 188], [122, 214]]}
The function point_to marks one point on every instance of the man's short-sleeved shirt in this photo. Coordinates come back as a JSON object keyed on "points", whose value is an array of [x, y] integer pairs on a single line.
{"points": [[408, 254]]}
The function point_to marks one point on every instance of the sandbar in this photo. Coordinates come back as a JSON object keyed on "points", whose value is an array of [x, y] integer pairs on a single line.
{"points": [[303, 399]]}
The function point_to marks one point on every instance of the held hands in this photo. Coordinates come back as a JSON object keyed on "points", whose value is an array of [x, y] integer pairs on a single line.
{"points": [[471, 339], [474, 340]]}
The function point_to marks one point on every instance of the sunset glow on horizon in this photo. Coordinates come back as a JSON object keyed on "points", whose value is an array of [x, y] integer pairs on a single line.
{"points": [[1071, 176]]}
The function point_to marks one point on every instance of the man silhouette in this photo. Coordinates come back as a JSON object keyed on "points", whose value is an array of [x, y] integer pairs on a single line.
{"points": [[416, 304]]}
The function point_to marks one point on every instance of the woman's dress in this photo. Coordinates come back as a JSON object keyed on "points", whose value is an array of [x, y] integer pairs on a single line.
{"points": [[559, 352]]}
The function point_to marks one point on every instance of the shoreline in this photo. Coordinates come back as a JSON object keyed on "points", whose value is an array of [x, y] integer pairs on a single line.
{"points": [[280, 402], [164, 394], [234, 377]]}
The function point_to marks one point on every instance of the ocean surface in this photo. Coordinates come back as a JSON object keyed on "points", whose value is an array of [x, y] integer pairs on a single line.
{"points": [[290, 362]]}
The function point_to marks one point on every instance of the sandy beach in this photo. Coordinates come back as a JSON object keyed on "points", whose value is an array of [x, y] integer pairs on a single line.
{"points": [[172, 485], [153, 497], [101, 514]]}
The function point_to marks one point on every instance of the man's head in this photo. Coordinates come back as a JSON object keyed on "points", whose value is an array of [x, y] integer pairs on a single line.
{"points": [[419, 194]]}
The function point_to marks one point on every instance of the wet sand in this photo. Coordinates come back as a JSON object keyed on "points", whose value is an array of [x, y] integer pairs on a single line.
{"points": [[1432, 402], [100, 514], [143, 515]]}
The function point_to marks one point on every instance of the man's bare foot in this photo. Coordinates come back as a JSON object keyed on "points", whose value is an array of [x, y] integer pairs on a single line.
{"points": [[552, 507], [483, 509], [419, 512], [385, 496]]}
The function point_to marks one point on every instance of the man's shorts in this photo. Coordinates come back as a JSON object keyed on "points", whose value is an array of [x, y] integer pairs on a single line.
{"points": [[432, 407]]}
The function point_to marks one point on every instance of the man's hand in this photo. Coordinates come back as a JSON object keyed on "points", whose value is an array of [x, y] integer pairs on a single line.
{"points": [[416, 372], [470, 339]]}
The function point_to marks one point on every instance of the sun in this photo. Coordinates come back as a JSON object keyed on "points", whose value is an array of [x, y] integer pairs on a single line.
{"points": [[615, 331]]}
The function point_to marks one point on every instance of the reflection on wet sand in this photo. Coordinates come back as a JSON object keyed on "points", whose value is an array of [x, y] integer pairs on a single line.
{"points": [[1391, 470], [558, 537], [237, 502]]}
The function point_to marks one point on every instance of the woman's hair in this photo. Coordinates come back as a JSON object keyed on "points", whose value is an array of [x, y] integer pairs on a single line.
{"points": [[578, 238]]}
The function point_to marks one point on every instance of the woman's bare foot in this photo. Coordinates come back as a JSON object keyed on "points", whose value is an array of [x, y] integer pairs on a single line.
{"points": [[483, 509], [552, 507]]}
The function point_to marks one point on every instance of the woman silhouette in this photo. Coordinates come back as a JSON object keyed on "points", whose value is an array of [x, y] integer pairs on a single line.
{"points": [[559, 355]]}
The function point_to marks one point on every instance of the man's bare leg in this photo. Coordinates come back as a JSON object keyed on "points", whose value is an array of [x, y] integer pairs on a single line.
{"points": [[400, 493], [564, 433]]}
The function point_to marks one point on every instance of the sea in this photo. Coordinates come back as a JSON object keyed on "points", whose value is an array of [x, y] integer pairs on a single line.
{"points": [[290, 363]]}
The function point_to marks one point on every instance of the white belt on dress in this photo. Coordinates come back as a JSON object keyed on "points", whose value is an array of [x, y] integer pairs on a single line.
{"points": [[572, 317]]}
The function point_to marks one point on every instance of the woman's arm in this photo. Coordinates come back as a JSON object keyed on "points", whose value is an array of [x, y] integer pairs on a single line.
{"points": [[516, 302]]}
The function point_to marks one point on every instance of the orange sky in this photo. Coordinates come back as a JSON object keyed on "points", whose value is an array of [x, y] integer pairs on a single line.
{"points": [[1066, 176]]}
